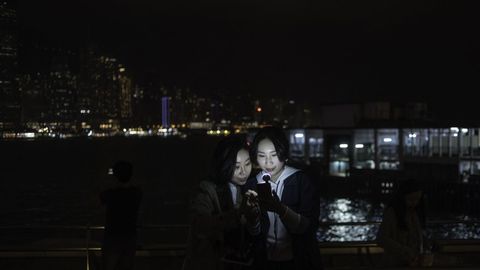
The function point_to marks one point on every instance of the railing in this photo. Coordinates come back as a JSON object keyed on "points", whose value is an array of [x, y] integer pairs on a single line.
{"points": [[362, 249]]}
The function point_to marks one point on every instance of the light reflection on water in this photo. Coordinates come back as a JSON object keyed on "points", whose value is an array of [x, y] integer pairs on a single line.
{"points": [[356, 210]]}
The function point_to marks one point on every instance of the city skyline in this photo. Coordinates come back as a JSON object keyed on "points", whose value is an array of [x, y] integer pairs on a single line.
{"points": [[328, 53]]}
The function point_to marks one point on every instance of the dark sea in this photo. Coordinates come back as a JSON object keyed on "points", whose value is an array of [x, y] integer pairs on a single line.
{"points": [[57, 182], [54, 183]]}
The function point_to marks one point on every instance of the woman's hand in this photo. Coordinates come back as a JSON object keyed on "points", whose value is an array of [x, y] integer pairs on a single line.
{"points": [[274, 204], [250, 206]]}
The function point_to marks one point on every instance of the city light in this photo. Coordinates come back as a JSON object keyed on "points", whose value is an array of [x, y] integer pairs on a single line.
{"points": [[387, 140], [343, 145], [359, 146], [259, 109], [299, 135]]}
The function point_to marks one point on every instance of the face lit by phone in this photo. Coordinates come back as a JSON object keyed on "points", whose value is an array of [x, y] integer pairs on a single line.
{"points": [[267, 159], [243, 168]]}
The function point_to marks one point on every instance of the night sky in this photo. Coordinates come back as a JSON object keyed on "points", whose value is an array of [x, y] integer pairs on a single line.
{"points": [[325, 51]]}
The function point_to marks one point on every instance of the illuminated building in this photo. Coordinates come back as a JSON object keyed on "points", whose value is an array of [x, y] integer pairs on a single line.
{"points": [[166, 112], [126, 89], [34, 102], [9, 95], [105, 90], [60, 91]]}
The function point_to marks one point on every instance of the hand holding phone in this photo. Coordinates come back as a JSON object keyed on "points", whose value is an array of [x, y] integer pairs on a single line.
{"points": [[264, 191]]}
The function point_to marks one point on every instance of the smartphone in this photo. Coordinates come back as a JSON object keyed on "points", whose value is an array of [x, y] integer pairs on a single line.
{"points": [[264, 191]]}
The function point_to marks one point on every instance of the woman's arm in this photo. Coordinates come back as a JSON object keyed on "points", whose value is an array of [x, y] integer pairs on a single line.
{"points": [[206, 214], [306, 218], [303, 219]]}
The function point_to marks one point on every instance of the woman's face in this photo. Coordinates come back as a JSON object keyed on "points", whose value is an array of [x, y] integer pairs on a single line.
{"points": [[267, 159], [412, 199], [243, 167]]}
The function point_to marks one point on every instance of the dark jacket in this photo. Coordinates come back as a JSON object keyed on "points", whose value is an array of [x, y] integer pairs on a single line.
{"points": [[401, 245], [301, 196], [217, 228]]}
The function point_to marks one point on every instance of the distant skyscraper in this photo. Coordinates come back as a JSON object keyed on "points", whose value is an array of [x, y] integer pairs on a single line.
{"points": [[126, 89], [34, 102], [165, 111], [9, 94], [105, 90], [61, 89]]}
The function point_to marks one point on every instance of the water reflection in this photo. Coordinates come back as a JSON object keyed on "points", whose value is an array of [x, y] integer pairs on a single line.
{"points": [[344, 210], [465, 230]]}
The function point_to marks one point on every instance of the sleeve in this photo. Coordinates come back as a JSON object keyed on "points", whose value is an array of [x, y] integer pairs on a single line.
{"points": [[254, 226], [386, 237], [306, 218], [203, 213]]}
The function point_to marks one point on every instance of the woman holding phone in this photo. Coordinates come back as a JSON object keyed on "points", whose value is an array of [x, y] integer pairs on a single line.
{"points": [[289, 212], [223, 216]]}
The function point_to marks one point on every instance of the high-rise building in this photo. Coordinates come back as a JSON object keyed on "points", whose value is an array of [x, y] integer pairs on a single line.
{"points": [[61, 88], [105, 90], [34, 100], [9, 95], [166, 111], [126, 90]]}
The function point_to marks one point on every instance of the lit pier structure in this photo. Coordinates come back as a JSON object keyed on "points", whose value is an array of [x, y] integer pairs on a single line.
{"points": [[444, 154]]}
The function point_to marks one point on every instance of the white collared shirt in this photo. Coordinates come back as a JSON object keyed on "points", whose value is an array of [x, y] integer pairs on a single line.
{"points": [[233, 190], [279, 242]]}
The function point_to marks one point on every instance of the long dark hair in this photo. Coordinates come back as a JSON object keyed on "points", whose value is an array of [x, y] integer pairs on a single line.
{"points": [[225, 158], [399, 205]]}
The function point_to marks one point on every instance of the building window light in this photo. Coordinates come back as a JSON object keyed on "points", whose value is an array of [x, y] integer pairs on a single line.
{"points": [[387, 140], [343, 145], [359, 145], [299, 135]]}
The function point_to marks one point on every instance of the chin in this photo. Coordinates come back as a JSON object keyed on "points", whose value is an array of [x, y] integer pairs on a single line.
{"points": [[240, 182]]}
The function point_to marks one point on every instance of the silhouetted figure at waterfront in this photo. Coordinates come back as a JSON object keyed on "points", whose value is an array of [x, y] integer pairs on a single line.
{"points": [[290, 206], [401, 232], [122, 203], [223, 217]]}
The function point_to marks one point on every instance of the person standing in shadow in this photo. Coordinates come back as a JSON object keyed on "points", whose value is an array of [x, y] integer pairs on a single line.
{"points": [[122, 203], [401, 233]]}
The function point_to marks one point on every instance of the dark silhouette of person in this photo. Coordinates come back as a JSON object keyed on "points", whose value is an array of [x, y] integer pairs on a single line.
{"points": [[122, 203], [401, 233]]}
